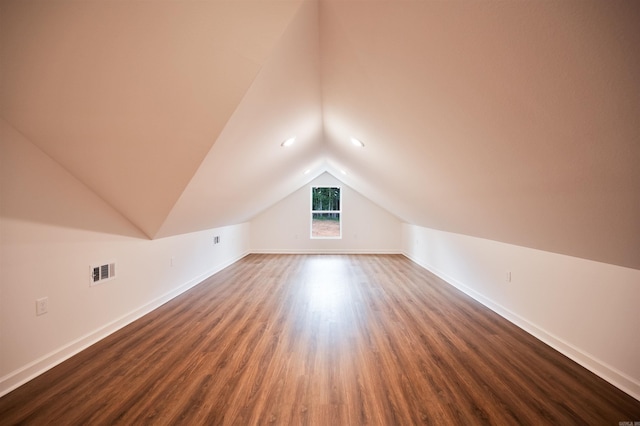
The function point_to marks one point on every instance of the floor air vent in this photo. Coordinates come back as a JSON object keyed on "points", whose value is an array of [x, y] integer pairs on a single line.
{"points": [[102, 273]]}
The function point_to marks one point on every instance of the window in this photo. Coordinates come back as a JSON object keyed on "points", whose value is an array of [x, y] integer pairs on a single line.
{"points": [[325, 212]]}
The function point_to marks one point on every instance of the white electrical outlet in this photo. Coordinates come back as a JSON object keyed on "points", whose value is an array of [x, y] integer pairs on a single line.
{"points": [[42, 306]]}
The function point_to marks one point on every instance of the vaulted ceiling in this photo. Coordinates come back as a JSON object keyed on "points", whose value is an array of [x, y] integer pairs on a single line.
{"points": [[512, 121]]}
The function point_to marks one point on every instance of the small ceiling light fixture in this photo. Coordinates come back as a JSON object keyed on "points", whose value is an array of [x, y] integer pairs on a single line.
{"points": [[357, 142], [343, 171], [288, 142], [306, 172]]}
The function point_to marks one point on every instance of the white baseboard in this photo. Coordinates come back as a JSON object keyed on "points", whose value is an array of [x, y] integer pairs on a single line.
{"points": [[35, 368], [18, 377], [610, 374]]}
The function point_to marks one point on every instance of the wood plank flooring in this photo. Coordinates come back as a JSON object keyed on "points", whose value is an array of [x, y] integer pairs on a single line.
{"points": [[319, 340]]}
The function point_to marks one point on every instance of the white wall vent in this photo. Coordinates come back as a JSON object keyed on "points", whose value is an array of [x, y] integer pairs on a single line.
{"points": [[102, 273]]}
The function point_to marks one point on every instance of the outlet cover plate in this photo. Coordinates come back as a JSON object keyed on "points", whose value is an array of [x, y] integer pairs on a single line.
{"points": [[42, 306]]}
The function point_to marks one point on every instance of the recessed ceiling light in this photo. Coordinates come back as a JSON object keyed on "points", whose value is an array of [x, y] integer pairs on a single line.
{"points": [[306, 172], [343, 171], [357, 142], [288, 142]]}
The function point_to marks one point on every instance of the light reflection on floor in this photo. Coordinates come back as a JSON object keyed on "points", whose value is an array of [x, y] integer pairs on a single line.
{"points": [[326, 287]]}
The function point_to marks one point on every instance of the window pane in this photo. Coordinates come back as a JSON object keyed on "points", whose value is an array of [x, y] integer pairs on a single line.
{"points": [[325, 199], [325, 225]]}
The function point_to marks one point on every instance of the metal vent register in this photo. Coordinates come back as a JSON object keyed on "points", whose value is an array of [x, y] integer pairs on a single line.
{"points": [[102, 273]]}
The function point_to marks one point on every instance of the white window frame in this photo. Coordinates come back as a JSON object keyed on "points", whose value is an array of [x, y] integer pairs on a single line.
{"points": [[339, 212]]}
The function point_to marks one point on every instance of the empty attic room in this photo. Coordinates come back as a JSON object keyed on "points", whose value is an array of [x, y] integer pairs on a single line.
{"points": [[327, 212]]}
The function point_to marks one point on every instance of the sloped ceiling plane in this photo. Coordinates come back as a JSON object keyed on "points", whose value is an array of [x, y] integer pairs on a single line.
{"points": [[511, 121]]}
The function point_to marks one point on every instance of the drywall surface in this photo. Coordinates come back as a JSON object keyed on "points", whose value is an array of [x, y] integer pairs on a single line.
{"points": [[513, 121], [246, 169], [286, 226], [147, 87], [52, 230], [587, 310]]}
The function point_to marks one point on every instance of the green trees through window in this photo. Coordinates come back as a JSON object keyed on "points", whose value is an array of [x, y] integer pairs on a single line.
{"points": [[325, 212]]}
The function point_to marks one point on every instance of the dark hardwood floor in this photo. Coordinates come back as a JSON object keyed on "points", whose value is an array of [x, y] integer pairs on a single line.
{"points": [[321, 340]]}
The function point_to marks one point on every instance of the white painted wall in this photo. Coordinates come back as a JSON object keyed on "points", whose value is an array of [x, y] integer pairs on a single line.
{"points": [[52, 228], [286, 226], [589, 311]]}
